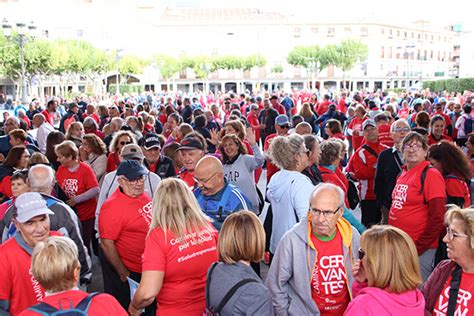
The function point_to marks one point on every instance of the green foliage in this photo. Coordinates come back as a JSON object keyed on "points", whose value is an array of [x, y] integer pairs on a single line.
{"points": [[130, 64], [450, 85], [126, 88], [349, 52], [304, 56], [167, 65], [277, 69]]}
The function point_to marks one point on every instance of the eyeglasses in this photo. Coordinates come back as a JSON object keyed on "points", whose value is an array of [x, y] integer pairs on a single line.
{"points": [[361, 254], [204, 181], [136, 181], [325, 214], [124, 143], [412, 147], [401, 129], [451, 235]]}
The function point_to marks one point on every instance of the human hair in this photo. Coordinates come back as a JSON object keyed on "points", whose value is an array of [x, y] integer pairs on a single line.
{"points": [[282, 150], [97, 144], [41, 178], [37, 158], [176, 117], [467, 108], [391, 259], [334, 126], [360, 108], [170, 151], [18, 134], [232, 138], [436, 118], [185, 129], [14, 156], [238, 127], [54, 263], [52, 140], [67, 149], [422, 119], [89, 122], [330, 151], [397, 123], [200, 121], [198, 136], [20, 174], [306, 110], [465, 215], [102, 111], [117, 136], [175, 209], [310, 140], [451, 158], [241, 237], [70, 128], [414, 136]]}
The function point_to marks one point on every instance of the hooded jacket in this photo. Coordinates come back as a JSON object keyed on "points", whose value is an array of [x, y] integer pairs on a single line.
{"points": [[291, 270], [288, 193], [378, 302]]}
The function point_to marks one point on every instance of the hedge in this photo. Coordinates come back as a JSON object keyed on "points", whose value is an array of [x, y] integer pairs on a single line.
{"points": [[450, 85], [127, 88]]}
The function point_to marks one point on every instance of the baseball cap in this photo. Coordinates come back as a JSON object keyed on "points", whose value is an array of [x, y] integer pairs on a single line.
{"points": [[367, 123], [29, 205], [282, 120], [190, 143], [131, 151], [131, 169], [151, 140]]}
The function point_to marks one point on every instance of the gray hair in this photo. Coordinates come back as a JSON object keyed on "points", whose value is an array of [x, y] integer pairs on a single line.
{"points": [[41, 178], [330, 151], [282, 150], [89, 121], [326, 186], [396, 123], [117, 121]]}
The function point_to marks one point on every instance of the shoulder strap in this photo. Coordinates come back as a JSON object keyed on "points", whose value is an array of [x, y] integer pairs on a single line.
{"points": [[208, 284], [294, 211], [423, 177], [398, 160], [43, 309], [231, 293], [86, 302], [370, 150], [453, 291]]}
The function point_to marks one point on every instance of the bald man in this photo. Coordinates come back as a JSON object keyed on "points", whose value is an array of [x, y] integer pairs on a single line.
{"points": [[303, 128], [217, 198]]}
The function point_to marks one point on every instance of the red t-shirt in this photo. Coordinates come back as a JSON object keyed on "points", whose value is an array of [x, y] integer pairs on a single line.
{"points": [[76, 183], [113, 160], [6, 186], [384, 135], [432, 141], [409, 210], [271, 168], [187, 177], [403, 113], [126, 221], [101, 304], [458, 188], [341, 106], [18, 286], [254, 124], [185, 264], [48, 116], [357, 133], [322, 107], [465, 301], [329, 277]]}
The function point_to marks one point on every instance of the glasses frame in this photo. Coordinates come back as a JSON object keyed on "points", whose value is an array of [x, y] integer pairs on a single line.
{"points": [[206, 180], [361, 254], [325, 213], [452, 235], [413, 147], [136, 181]]}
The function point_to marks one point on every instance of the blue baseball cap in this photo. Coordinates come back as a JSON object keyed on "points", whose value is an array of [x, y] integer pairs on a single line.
{"points": [[131, 169]]}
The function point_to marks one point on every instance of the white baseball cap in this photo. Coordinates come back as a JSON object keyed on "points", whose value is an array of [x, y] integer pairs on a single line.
{"points": [[29, 205]]}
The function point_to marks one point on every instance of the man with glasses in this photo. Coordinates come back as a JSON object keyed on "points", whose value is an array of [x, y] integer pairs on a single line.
{"points": [[191, 150], [124, 222], [319, 251], [389, 166], [163, 166], [362, 167], [216, 197]]}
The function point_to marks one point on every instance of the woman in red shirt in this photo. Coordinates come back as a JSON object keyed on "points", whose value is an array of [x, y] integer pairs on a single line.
{"points": [[355, 127], [437, 128], [179, 249], [333, 129], [79, 184], [120, 139], [456, 170]]}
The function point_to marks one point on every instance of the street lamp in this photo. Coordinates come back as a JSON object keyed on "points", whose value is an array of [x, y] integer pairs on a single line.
{"points": [[21, 39]]}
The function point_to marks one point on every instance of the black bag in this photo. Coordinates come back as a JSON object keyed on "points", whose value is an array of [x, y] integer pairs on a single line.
{"points": [[210, 311], [454, 290], [352, 193]]}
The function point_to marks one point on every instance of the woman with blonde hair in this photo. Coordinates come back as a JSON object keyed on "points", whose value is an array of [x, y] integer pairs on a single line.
{"points": [[241, 242], [180, 247], [75, 133], [120, 139], [92, 152], [387, 275], [309, 116], [55, 265]]}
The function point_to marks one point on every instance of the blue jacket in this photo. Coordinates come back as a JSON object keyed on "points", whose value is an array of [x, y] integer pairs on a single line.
{"points": [[223, 203]]}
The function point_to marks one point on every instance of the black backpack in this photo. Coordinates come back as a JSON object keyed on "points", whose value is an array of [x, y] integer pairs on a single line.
{"points": [[352, 192]]}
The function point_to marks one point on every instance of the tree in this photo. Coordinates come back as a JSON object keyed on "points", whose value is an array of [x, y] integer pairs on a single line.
{"points": [[308, 57], [348, 53], [130, 64]]}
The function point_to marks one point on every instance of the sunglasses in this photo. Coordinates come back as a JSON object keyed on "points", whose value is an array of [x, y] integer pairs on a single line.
{"points": [[361, 254], [124, 143]]}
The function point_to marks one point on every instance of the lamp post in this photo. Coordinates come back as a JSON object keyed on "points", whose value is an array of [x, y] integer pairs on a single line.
{"points": [[118, 56], [21, 38]]}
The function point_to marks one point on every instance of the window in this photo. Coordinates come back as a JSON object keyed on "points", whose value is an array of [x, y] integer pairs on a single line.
{"points": [[382, 31], [348, 30], [431, 55], [412, 34], [398, 33], [382, 52], [331, 31], [364, 31], [314, 30], [390, 51]]}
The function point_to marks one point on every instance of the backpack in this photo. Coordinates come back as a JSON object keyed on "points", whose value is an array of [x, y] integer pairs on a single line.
{"points": [[80, 310], [352, 193], [468, 125], [210, 311]]}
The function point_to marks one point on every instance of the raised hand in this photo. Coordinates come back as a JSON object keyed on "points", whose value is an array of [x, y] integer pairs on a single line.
{"points": [[251, 136], [214, 137]]}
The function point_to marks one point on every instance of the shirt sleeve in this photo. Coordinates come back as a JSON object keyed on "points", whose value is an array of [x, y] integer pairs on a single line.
{"points": [[154, 256], [5, 285], [434, 186], [110, 225]]}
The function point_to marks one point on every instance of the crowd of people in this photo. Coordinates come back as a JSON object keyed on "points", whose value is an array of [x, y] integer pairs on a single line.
{"points": [[358, 203]]}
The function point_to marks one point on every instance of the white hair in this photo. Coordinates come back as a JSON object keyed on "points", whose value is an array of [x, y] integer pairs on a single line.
{"points": [[41, 178], [326, 186]]}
